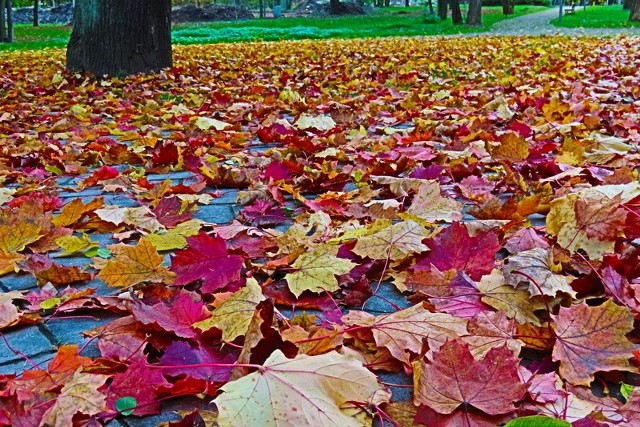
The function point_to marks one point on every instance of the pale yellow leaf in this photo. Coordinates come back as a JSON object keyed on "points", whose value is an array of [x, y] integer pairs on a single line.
{"points": [[394, 242], [310, 391], [317, 270]]}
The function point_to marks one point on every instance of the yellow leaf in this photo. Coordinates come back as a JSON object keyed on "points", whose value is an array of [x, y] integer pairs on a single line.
{"points": [[139, 217], [512, 148], [73, 244], [317, 271], [73, 211], [394, 242], [79, 395], [15, 238], [135, 264], [429, 205], [313, 391], [234, 316], [206, 123], [320, 122], [175, 238]]}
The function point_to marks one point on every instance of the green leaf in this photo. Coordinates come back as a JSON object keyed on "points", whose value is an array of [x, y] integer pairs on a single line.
{"points": [[625, 391], [101, 252], [537, 421], [50, 303], [126, 405]]}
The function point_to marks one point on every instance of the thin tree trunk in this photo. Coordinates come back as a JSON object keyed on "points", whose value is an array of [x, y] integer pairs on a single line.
{"points": [[506, 7], [474, 14], [635, 12], [627, 4], [431, 11], [9, 22], [3, 22], [36, 13], [443, 5], [120, 36], [335, 7], [456, 13], [406, 3]]}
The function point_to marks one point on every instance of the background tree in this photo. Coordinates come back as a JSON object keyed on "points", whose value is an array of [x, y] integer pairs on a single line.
{"points": [[120, 36], [456, 13], [635, 11], [474, 14], [6, 21], [36, 13], [627, 4], [443, 5], [507, 7]]}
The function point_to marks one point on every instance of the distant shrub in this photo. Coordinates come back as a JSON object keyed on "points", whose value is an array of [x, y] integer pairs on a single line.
{"points": [[517, 2]]}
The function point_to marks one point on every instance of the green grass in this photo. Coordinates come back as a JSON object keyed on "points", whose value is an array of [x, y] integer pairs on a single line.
{"points": [[394, 21], [597, 17]]}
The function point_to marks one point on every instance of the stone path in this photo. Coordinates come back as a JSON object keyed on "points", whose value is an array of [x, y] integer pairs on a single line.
{"points": [[538, 24]]}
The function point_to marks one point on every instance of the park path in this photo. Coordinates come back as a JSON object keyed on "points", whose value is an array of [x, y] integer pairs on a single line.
{"points": [[538, 24]]}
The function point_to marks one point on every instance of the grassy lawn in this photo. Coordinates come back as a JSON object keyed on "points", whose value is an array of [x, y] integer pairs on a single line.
{"points": [[389, 22], [597, 17]]}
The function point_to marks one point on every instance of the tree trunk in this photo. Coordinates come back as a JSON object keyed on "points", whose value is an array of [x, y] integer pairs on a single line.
{"points": [[120, 36], [335, 7], [474, 14], [627, 4], [3, 22], [406, 3], [36, 13], [442, 9], [456, 14], [635, 12], [506, 7], [431, 11], [9, 22]]}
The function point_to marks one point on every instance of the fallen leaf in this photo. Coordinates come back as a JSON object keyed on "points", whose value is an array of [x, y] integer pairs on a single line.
{"points": [[313, 391], [135, 264], [316, 271]]}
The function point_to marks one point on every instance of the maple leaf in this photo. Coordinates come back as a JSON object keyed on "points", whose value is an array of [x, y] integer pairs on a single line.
{"points": [[135, 264], [9, 314], [394, 242], [316, 271], [631, 410], [592, 339], [308, 390], [512, 148], [515, 303], [198, 361], [73, 211], [120, 339], [589, 219], [140, 217], [536, 268], [15, 238], [407, 330], [454, 248], [175, 315], [141, 382], [490, 329], [234, 316], [79, 396], [429, 205], [206, 259], [490, 385]]}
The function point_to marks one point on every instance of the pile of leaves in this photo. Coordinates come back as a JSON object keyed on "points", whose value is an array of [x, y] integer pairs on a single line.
{"points": [[493, 182]]}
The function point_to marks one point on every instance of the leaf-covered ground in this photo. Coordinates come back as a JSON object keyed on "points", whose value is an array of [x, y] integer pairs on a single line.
{"points": [[490, 182]]}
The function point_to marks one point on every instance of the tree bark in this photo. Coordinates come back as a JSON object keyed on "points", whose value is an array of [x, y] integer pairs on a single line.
{"points": [[628, 4], [3, 22], [507, 9], [456, 14], [635, 12], [9, 22], [431, 11], [120, 37], [474, 14], [36, 13], [443, 5], [406, 3], [335, 7]]}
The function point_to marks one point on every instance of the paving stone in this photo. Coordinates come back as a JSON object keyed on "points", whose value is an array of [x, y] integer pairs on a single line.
{"points": [[384, 300], [403, 394], [28, 340], [226, 197], [18, 282], [19, 365], [218, 214], [173, 176], [69, 330]]}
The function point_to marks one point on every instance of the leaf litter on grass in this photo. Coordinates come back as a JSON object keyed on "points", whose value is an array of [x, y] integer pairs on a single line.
{"points": [[492, 182]]}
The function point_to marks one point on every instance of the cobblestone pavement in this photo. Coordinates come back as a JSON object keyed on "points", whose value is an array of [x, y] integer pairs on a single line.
{"points": [[537, 24]]}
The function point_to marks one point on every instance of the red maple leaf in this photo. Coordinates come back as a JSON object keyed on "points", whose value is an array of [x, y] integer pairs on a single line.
{"points": [[456, 379], [175, 315], [455, 249], [206, 259], [141, 382]]}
